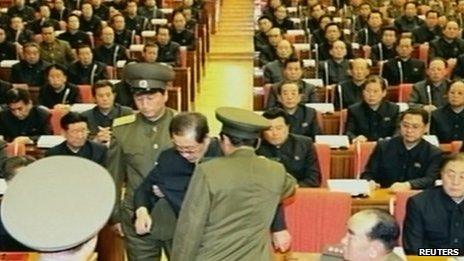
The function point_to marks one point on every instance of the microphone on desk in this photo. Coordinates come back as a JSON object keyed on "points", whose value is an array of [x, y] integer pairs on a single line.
{"points": [[115, 56], [340, 105], [92, 74], [400, 70], [380, 51]]}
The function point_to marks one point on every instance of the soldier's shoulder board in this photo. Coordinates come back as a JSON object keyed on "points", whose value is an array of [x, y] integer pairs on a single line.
{"points": [[124, 120]]}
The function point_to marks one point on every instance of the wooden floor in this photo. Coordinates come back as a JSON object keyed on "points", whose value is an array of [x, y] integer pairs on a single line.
{"points": [[229, 67]]}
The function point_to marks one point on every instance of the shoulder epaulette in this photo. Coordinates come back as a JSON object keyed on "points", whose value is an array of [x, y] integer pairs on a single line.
{"points": [[124, 120]]}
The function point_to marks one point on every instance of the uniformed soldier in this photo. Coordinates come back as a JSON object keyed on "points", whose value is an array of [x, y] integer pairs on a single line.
{"points": [[407, 161], [208, 227], [448, 121], [138, 142], [76, 132], [295, 152], [373, 118], [53, 50]]}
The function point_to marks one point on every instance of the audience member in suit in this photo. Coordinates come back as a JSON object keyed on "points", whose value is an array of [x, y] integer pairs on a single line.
{"points": [[7, 49], [434, 217], [448, 46], [180, 34], [371, 34], [409, 20], [374, 117], [458, 71], [332, 33], [430, 94], [407, 161], [428, 31], [53, 50], [44, 13], [360, 16], [295, 152], [76, 132], [58, 93], [150, 10], [318, 35], [351, 89], [4, 88], [281, 19], [168, 51], [100, 118], [303, 120], [59, 11], [133, 20], [273, 71], [89, 21], [335, 69], [122, 36], [404, 68], [109, 52], [316, 11], [448, 121], [74, 35], [19, 8], [260, 38], [85, 70], [17, 33], [293, 71], [386, 48], [269, 52], [100, 10], [31, 69], [22, 121]]}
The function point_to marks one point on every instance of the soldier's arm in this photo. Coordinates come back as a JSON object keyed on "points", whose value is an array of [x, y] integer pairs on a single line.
{"points": [[192, 218], [144, 193], [289, 186], [115, 165]]}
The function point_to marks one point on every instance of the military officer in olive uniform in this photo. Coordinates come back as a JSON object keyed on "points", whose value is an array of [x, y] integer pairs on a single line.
{"points": [[138, 141], [231, 201]]}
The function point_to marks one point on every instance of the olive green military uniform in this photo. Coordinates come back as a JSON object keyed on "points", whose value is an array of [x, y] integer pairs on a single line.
{"points": [[135, 148], [231, 201]]}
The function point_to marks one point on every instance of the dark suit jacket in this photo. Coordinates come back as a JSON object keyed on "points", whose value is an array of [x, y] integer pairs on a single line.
{"points": [[362, 120], [34, 125], [391, 162], [273, 71], [93, 151], [447, 124], [433, 220], [309, 94], [458, 71], [169, 53], [413, 71], [419, 95], [32, 75], [304, 122], [78, 74], [441, 48], [380, 52], [49, 98]]}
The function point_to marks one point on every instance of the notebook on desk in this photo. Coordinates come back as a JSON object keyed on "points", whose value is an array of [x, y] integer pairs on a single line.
{"points": [[334, 141]]}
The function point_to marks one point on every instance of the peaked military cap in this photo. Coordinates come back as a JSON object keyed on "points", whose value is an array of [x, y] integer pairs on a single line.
{"points": [[147, 77], [241, 123], [58, 202]]}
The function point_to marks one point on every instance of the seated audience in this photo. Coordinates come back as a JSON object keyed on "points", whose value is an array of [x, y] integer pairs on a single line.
{"points": [[89, 21], [122, 36], [430, 94], [351, 90], [404, 68], [180, 34], [409, 20], [386, 48], [335, 69], [407, 161], [428, 31], [59, 11], [58, 93], [260, 38], [168, 51], [20, 9], [458, 71], [295, 152], [17, 33], [273, 70], [293, 71], [302, 119], [149, 53], [281, 19], [109, 52], [332, 34], [449, 45], [74, 35], [434, 217], [85, 70], [53, 50], [371, 34], [7, 49], [44, 17], [31, 69], [76, 133], [447, 122], [374, 118], [100, 118], [150, 10], [318, 35], [269, 52], [372, 234], [133, 20], [22, 121], [100, 10]]}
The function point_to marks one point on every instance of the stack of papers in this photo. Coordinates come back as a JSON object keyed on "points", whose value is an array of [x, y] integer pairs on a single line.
{"points": [[49, 141], [355, 187]]}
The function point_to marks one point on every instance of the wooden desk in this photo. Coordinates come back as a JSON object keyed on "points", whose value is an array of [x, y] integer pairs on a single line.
{"points": [[379, 198]]}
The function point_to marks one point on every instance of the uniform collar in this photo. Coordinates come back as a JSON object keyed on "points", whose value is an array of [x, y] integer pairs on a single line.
{"points": [[243, 151]]}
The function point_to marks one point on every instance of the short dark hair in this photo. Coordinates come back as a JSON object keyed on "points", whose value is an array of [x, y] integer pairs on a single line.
{"points": [[293, 60], [386, 230], [70, 118], [12, 163], [409, 2], [31, 44], [324, 16], [71, 15], [332, 24], [82, 46], [237, 141], [374, 12], [149, 45], [280, 86], [389, 28], [116, 15], [416, 111], [102, 84], [431, 11], [47, 24], [276, 112], [56, 67], [264, 17], [437, 59], [185, 122], [375, 79], [17, 95], [163, 27]]}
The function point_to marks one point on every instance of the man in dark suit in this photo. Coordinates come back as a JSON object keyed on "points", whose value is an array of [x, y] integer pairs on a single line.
{"points": [[373, 118], [335, 69], [7, 48], [371, 34], [85, 70], [168, 51], [273, 70], [109, 52], [404, 68], [407, 161], [89, 21], [76, 133], [448, 121], [179, 33], [434, 217], [260, 37], [351, 89], [268, 53], [409, 20], [30, 70], [449, 46], [386, 48], [74, 35], [430, 94], [428, 31]]}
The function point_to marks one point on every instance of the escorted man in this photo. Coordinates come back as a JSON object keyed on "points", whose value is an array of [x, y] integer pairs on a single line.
{"points": [[209, 228], [76, 132], [407, 161], [138, 141], [435, 218], [372, 235]]}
